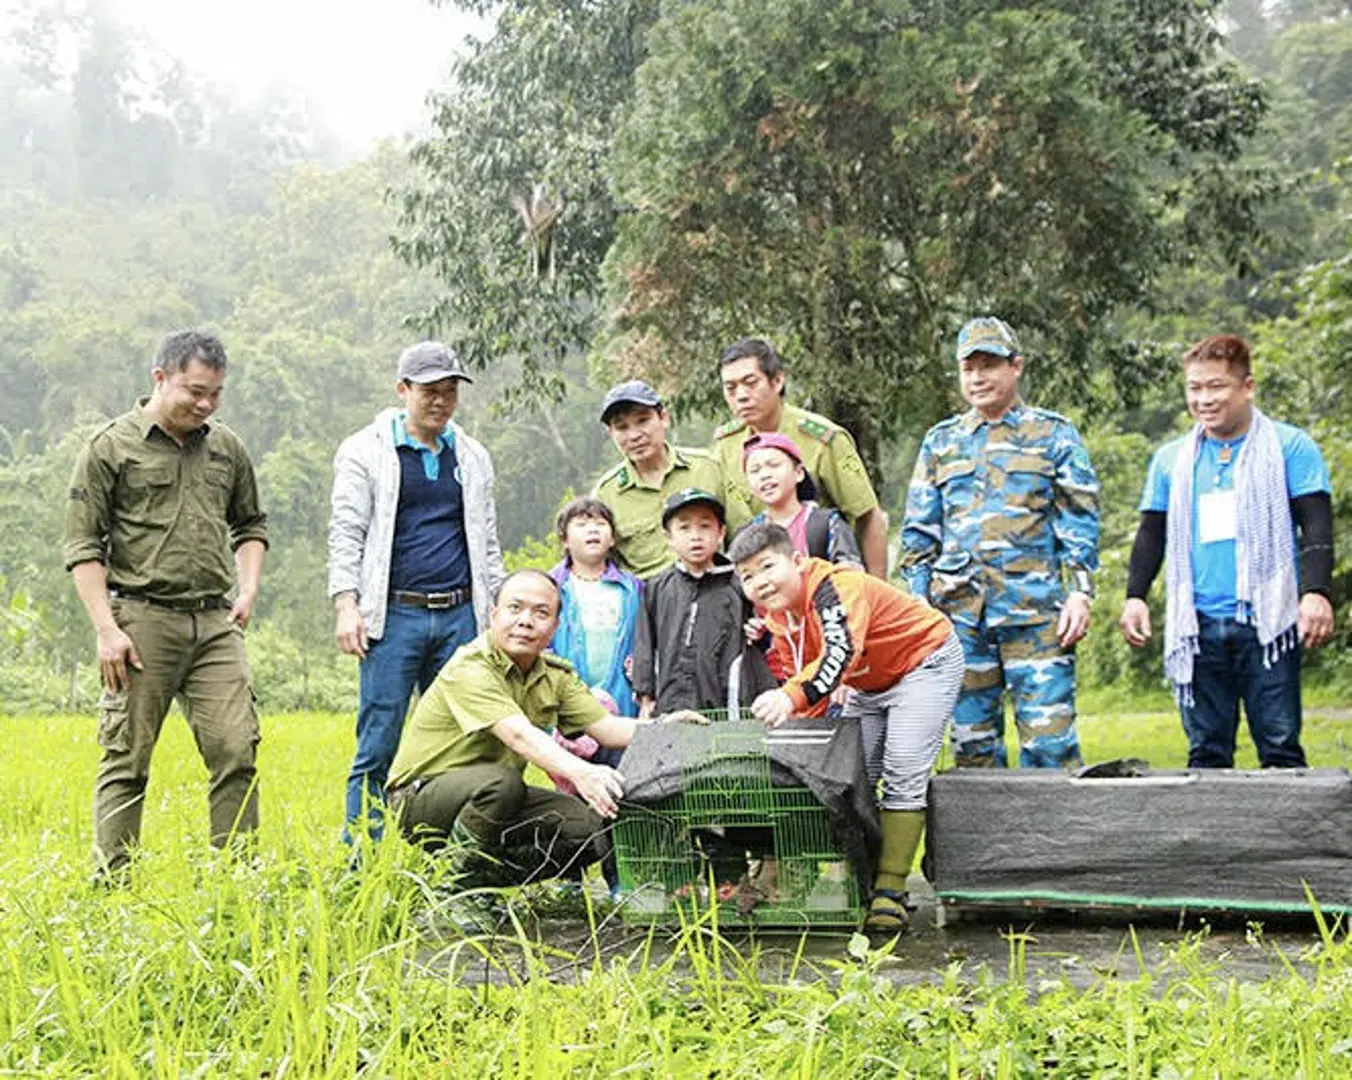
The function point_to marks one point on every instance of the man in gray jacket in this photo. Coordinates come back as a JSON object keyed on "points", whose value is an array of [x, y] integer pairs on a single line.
{"points": [[414, 558]]}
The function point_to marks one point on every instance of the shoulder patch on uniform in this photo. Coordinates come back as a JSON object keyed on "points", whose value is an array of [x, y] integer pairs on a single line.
{"points": [[730, 427], [821, 430], [558, 662], [104, 429], [1048, 414], [619, 473], [697, 452]]}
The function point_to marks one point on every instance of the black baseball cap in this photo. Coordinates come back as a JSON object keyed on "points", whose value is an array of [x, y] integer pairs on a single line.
{"points": [[633, 392], [693, 497]]}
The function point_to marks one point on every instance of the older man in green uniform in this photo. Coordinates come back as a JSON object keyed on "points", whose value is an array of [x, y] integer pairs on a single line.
{"points": [[457, 777], [637, 489], [753, 386], [158, 499]]}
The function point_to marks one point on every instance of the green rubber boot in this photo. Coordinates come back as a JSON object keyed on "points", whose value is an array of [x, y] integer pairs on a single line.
{"points": [[902, 830]]}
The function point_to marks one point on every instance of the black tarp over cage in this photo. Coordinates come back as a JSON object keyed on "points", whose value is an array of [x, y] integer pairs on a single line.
{"points": [[725, 798]]}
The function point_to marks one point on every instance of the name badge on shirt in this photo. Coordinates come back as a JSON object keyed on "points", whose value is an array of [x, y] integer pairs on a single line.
{"points": [[1216, 516]]}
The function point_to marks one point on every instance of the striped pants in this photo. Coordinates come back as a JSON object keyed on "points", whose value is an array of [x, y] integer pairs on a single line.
{"points": [[903, 726]]}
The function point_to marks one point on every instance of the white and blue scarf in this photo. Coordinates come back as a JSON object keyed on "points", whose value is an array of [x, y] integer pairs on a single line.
{"points": [[1267, 592]]}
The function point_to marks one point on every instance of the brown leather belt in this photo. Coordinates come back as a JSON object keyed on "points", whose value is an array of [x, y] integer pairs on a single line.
{"points": [[433, 601], [206, 603]]}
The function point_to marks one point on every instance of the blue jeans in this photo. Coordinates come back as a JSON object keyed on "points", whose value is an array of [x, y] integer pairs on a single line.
{"points": [[415, 647], [1229, 669]]}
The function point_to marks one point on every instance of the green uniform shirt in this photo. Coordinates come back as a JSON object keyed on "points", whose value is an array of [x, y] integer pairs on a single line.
{"points": [[163, 518], [829, 454], [479, 686], [637, 506]]}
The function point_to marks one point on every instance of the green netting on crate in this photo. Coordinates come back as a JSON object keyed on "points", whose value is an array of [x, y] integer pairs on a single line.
{"points": [[778, 827]]}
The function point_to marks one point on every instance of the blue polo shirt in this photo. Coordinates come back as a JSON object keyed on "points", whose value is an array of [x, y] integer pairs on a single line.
{"points": [[1213, 563], [430, 553]]}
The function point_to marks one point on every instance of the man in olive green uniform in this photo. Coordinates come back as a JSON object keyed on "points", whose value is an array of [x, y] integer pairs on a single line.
{"points": [[753, 386], [458, 773], [158, 499], [637, 489]]}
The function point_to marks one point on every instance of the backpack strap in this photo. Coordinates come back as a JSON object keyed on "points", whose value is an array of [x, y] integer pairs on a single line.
{"points": [[819, 534]]}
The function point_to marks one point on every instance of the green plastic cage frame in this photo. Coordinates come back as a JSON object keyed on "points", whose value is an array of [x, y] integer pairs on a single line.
{"points": [[675, 857]]}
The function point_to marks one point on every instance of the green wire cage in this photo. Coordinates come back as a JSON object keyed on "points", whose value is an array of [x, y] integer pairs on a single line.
{"points": [[763, 852]]}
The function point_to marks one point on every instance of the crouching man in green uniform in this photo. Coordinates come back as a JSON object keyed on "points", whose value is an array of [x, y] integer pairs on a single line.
{"points": [[457, 779]]}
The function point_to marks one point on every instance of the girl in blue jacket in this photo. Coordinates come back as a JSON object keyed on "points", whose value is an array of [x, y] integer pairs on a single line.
{"points": [[600, 603]]}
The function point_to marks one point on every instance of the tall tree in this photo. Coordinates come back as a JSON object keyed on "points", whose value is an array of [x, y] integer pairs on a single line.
{"points": [[530, 111], [850, 179], [855, 180]]}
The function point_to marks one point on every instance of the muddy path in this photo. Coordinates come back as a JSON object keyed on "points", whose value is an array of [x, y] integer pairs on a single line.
{"points": [[1040, 946]]}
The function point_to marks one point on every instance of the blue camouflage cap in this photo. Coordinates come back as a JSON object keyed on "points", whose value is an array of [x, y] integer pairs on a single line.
{"points": [[989, 335], [633, 392]]}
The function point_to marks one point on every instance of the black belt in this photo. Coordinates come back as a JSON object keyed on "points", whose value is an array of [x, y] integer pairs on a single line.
{"points": [[433, 601], [206, 603]]}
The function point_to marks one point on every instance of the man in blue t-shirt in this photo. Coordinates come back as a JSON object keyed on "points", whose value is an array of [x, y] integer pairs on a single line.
{"points": [[1241, 509], [414, 559]]}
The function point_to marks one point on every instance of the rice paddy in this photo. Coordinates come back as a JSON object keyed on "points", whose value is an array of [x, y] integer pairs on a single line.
{"points": [[283, 962]]}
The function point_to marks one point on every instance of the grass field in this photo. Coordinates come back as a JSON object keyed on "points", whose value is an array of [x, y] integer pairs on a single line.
{"points": [[286, 964]]}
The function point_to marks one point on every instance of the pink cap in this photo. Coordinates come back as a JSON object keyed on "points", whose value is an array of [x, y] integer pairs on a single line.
{"points": [[771, 440]]}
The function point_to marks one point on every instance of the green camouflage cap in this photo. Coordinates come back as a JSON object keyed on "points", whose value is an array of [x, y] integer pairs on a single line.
{"points": [[989, 335]]}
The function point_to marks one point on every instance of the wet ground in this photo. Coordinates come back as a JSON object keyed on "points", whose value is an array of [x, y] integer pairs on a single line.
{"points": [[1038, 945]]}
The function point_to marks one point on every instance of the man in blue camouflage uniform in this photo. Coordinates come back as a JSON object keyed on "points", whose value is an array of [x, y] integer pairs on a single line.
{"points": [[1003, 505]]}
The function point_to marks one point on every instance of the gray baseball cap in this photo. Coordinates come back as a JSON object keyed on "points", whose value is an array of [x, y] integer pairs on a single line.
{"points": [[430, 361], [633, 392]]}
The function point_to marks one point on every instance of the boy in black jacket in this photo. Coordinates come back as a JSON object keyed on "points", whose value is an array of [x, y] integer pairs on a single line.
{"points": [[690, 651]]}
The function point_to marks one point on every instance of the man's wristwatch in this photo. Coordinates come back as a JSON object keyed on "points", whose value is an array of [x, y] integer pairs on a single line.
{"points": [[1082, 581]]}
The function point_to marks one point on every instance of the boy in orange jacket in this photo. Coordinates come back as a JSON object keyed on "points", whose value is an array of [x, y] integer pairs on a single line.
{"points": [[835, 625]]}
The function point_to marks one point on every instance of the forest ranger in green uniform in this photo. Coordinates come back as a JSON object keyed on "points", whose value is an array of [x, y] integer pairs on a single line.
{"points": [[653, 470], [457, 779], [157, 501], [753, 386]]}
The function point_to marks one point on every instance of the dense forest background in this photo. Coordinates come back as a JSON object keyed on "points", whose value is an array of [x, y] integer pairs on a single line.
{"points": [[849, 180]]}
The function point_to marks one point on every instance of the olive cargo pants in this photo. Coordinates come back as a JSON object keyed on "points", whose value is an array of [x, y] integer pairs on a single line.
{"points": [[532, 833], [198, 657]]}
